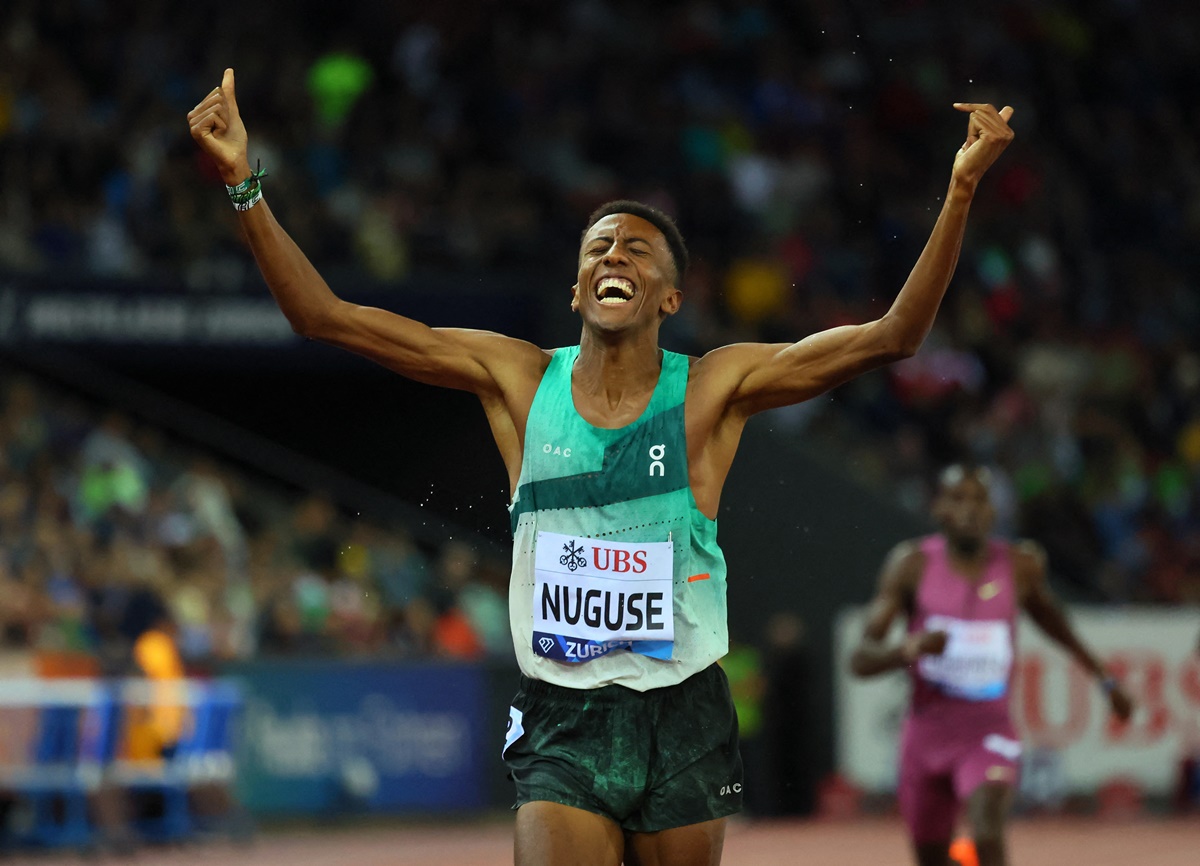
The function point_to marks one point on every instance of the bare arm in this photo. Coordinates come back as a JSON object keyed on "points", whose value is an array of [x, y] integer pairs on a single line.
{"points": [[1043, 608], [897, 584], [484, 363], [777, 375]]}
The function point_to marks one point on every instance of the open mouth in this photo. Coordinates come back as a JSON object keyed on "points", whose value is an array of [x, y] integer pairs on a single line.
{"points": [[611, 291]]}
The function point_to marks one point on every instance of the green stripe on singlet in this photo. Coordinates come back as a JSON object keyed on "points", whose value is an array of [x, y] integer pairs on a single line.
{"points": [[621, 478]]}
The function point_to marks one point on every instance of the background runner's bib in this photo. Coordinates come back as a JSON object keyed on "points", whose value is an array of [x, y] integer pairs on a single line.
{"points": [[976, 662], [599, 486], [970, 682], [593, 597]]}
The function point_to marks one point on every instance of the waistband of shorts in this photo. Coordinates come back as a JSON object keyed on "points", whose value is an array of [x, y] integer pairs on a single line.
{"points": [[614, 692]]}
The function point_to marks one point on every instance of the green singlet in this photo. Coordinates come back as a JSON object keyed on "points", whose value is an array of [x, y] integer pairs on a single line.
{"points": [[604, 492]]}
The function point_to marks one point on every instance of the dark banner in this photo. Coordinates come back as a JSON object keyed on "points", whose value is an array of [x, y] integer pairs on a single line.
{"points": [[322, 737], [166, 320], [87, 314]]}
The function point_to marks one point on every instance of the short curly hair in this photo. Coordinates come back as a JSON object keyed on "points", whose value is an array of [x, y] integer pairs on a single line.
{"points": [[654, 216]]}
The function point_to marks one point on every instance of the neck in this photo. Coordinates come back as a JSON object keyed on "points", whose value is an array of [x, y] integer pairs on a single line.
{"points": [[967, 549], [617, 366]]}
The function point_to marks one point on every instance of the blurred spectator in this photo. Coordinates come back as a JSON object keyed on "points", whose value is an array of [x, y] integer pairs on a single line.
{"points": [[471, 617], [206, 497], [315, 542], [152, 731], [790, 786], [743, 665], [296, 579], [462, 591]]}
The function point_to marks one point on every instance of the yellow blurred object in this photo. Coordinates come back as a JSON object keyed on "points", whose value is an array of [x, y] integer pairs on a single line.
{"points": [[383, 247], [756, 289], [160, 724], [1189, 443], [355, 561]]}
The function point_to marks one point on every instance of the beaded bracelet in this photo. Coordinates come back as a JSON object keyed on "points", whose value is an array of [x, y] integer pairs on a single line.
{"points": [[248, 193]]}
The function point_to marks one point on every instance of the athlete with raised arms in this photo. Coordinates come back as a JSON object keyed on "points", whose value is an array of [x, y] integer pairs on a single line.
{"points": [[622, 739]]}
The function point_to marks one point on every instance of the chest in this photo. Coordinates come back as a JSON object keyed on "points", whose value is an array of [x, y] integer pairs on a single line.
{"points": [[988, 595], [603, 411]]}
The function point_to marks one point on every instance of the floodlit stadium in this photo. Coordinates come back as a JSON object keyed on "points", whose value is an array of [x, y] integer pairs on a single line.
{"points": [[374, 379]]}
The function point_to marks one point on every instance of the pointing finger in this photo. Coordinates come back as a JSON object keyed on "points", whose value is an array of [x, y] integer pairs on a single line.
{"points": [[227, 87], [985, 109]]}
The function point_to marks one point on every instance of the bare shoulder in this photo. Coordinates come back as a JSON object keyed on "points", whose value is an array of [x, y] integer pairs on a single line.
{"points": [[720, 372], [897, 586], [502, 351], [1028, 555], [901, 571], [733, 357], [1029, 563], [905, 562], [498, 342]]}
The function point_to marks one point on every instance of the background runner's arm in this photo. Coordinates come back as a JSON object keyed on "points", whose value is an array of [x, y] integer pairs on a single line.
{"points": [[454, 358], [778, 375], [1043, 608], [897, 579]]}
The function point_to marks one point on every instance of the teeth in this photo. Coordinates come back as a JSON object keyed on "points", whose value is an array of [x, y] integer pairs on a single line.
{"points": [[623, 290]]}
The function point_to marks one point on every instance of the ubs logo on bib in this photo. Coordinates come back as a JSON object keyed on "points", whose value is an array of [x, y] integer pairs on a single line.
{"points": [[575, 556]]}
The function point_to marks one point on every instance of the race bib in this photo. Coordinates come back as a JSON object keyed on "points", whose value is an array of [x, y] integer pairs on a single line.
{"points": [[977, 659], [593, 596]]}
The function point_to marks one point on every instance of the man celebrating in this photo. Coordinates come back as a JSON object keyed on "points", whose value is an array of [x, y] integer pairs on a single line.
{"points": [[961, 591], [622, 739]]}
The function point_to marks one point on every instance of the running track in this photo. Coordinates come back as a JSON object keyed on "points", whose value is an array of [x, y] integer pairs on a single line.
{"points": [[1069, 842]]}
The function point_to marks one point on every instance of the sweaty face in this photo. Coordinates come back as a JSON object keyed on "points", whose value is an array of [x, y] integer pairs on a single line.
{"points": [[964, 509], [625, 275]]}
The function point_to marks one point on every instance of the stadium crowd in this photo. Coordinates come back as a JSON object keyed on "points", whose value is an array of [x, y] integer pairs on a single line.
{"points": [[108, 529], [802, 146]]}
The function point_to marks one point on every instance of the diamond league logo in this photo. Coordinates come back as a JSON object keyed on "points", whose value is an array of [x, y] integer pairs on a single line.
{"points": [[546, 643]]}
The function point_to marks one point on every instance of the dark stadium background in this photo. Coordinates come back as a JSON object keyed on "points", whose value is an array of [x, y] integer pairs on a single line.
{"points": [[803, 147]]}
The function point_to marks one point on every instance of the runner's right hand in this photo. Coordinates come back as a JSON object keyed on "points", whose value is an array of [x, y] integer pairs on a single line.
{"points": [[924, 643], [217, 127]]}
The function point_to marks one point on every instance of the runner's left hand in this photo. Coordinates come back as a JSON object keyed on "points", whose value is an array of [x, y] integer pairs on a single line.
{"points": [[988, 133]]}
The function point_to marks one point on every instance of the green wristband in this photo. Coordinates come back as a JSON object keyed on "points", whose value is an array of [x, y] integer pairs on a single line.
{"points": [[248, 193]]}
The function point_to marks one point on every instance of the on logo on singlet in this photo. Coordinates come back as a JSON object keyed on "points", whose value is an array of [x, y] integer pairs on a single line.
{"points": [[657, 455]]}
